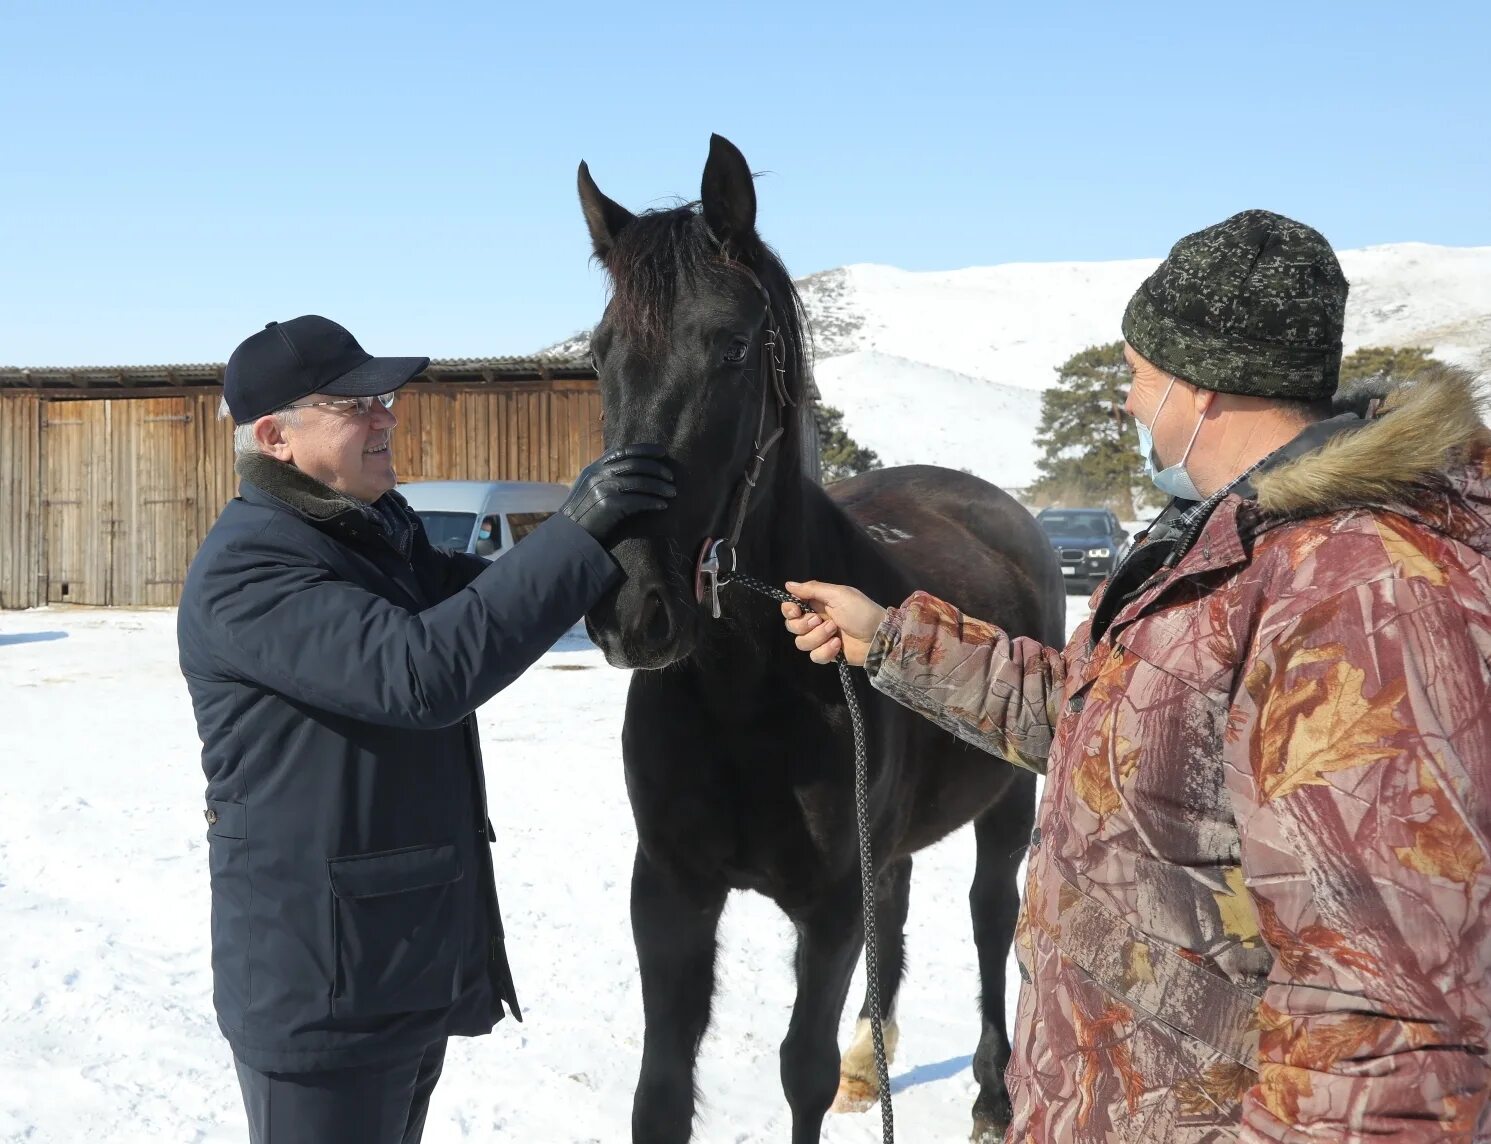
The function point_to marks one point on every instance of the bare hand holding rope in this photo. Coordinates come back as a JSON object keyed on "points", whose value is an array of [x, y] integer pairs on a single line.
{"points": [[845, 621]]}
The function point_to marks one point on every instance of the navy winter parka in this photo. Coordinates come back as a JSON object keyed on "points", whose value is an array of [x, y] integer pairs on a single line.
{"points": [[334, 659]]}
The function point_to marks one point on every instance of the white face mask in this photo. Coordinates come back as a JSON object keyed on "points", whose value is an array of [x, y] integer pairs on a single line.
{"points": [[1174, 481]]}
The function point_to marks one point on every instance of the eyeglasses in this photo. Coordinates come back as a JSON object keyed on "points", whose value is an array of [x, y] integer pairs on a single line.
{"points": [[350, 406]]}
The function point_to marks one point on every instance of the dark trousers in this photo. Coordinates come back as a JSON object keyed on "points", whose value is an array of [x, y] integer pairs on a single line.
{"points": [[372, 1104]]}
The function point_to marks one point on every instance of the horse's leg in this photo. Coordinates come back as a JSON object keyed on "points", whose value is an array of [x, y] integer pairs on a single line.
{"points": [[829, 938], [859, 1083], [675, 937], [1002, 832]]}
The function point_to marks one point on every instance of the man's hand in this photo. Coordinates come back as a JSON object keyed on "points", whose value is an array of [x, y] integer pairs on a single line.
{"points": [[845, 621], [624, 482]]}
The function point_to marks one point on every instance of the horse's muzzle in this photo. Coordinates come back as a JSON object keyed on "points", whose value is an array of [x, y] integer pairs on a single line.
{"points": [[642, 626]]}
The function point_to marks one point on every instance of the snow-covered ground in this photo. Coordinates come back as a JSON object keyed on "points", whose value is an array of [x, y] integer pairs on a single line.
{"points": [[106, 1029]]}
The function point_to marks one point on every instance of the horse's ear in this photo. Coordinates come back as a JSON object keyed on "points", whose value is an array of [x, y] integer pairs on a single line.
{"points": [[728, 195], [606, 219]]}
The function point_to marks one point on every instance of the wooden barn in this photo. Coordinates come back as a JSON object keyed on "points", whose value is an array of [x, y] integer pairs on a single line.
{"points": [[110, 477]]}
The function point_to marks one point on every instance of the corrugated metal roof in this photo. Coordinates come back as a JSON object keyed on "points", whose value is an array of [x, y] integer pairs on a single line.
{"points": [[211, 373], [551, 361]]}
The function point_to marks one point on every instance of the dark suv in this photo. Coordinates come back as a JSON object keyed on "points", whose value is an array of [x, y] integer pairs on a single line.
{"points": [[1088, 541]]}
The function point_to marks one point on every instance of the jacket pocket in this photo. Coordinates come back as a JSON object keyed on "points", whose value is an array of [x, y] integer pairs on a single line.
{"points": [[226, 819], [395, 925], [1155, 978], [227, 865], [1185, 643]]}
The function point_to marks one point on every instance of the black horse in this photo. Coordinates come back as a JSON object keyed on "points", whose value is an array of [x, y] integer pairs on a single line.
{"points": [[738, 750]]}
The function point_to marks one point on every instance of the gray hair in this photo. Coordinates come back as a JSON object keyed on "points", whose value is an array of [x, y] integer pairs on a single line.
{"points": [[244, 442]]}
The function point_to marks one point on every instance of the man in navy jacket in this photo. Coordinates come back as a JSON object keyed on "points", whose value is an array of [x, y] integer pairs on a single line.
{"points": [[334, 660]]}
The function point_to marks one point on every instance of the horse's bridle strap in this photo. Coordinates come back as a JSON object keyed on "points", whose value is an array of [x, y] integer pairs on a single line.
{"points": [[773, 382]]}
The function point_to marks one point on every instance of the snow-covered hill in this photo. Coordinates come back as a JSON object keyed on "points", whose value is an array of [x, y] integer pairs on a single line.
{"points": [[1014, 323], [1009, 324], [948, 366], [910, 412]]}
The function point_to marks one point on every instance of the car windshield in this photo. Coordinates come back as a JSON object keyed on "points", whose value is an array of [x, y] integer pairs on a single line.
{"points": [[449, 529], [1074, 524]]}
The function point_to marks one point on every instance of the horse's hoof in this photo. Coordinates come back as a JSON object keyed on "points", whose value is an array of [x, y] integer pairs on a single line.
{"points": [[986, 1132], [855, 1095]]}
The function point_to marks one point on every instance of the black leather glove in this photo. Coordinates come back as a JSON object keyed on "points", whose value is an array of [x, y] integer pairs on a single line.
{"points": [[622, 483]]}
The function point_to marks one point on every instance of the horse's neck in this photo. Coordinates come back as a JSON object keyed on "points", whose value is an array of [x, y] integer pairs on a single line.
{"points": [[795, 535], [799, 534]]}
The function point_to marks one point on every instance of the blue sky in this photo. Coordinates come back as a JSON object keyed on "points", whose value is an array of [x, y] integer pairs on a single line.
{"points": [[172, 176]]}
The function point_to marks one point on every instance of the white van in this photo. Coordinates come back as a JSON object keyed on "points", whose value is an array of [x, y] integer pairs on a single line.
{"points": [[483, 517]]}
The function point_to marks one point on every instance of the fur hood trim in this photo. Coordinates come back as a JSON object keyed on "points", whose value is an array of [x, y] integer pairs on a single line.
{"points": [[1422, 427]]}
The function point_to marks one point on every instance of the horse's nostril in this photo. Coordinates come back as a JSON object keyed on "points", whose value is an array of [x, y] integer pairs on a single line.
{"points": [[656, 626]]}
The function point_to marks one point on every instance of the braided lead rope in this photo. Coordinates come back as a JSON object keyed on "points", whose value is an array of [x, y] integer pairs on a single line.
{"points": [[866, 864]]}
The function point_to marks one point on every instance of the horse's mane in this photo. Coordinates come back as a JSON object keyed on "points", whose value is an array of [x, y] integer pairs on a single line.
{"points": [[662, 251]]}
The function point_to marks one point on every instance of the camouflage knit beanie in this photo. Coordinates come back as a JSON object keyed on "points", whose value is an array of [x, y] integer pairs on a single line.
{"points": [[1252, 305]]}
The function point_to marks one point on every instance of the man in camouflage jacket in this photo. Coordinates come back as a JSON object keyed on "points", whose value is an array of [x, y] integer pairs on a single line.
{"points": [[1256, 902]]}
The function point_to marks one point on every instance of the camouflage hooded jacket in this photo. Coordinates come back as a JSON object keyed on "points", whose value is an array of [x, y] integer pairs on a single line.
{"points": [[1256, 903]]}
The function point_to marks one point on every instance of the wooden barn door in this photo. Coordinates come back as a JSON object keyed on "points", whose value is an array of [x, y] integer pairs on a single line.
{"points": [[119, 503], [153, 445], [77, 505]]}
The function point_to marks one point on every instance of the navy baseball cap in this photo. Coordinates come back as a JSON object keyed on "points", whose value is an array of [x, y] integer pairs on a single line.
{"points": [[286, 361]]}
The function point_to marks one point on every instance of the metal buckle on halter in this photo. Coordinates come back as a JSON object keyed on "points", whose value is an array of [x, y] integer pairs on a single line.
{"points": [[709, 568]]}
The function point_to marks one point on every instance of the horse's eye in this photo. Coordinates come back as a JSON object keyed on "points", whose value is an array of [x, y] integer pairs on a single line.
{"points": [[735, 352]]}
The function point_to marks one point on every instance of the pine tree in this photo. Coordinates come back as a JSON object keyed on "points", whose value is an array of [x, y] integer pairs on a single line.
{"points": [[1091, 451], [842, 456], [1378, 363]]}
